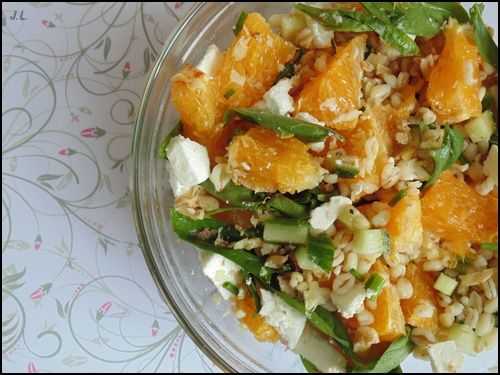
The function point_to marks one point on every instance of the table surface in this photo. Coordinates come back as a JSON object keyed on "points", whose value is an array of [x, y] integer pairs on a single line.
{"points": [[76, 294]]}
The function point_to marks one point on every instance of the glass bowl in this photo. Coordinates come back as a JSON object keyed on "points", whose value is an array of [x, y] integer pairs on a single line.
{"points": [[174, 264]]}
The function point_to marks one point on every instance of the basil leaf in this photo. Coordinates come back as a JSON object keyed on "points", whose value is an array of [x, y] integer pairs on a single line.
{"points": [[184, 226], [162, 150], [308, 366], [447, 154], [323, 320], [287, 206], [485, 43], [234, 195], [389, 33], [421, 19], [321, 251], [336, 19], [240, 22], [285, 126], [453, 8], [392, 357], [289, 70]]}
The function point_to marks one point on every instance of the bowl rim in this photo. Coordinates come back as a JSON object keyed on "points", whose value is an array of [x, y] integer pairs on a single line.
{"points": [[137, 209]]}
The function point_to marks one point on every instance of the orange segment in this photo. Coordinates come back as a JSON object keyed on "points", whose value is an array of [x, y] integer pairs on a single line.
{"points": [[194, 95], [405, 226], [255, 322], [458, 214], [369, 127], [336, 91], [262, 161], [389, 320], [252, 63], [423, 292], [454, 83]]}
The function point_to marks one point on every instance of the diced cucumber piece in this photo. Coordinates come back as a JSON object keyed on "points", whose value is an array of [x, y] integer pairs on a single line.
{"points": [[286, 231], [481, 128], [287, 206], [371, 241], [316, 349], [464, 337], [445, 284], [345, 170], [304, 261], [352, 218]]}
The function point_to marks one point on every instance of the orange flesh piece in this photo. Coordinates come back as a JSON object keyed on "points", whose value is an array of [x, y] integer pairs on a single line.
{"points": [[389, 320], [337, 90], [423, 291], [262, 161], [255, 322], [458, 214], [454, 83]]}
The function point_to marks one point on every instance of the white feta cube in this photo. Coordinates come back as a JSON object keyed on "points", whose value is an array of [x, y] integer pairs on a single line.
{"points": [[324, 216], [210, 60], [221, 270], [189, 163], [177, 188], [445, 357], [350, 303], [277, 99], [287, 321]]}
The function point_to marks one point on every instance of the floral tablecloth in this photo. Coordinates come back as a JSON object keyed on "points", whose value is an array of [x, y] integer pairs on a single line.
{"points": [[76, 293]]}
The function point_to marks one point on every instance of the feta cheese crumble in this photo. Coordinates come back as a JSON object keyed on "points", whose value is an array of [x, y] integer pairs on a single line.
{"points": [[189, 164], [221, 270], [445, 357], [324, 216], [210, 60], [288, 322], [277, 99]]}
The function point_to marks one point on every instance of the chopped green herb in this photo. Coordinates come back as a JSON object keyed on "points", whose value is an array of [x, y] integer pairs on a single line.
{"points": [[493, 246], [345, 170], [447, 154], [229, 93], [233, 289], [485, 43], [397, 197], [252, 288], [321, 251], [356, 274], [162, 150], [240, 22], [287, 206], [375, 283], [230, 233], [308, 366], [289, 70], [286, 126]]}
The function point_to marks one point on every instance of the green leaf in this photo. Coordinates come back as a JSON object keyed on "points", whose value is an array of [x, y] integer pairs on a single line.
{"points": [[323, 320], [447, 154], [240, 22], [285, 126], [289, 70], [321, 251], [229, 286], [484, 41], [60, 309], [389, 33], [13, 278], [162, 150], [185, 227], [308, 366], [234, 195], [454, 9], [287, 206], [393, 356], [421, 19], [492, 246], [336, 19]]}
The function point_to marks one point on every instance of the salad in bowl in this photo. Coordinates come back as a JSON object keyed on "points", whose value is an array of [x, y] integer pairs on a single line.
{"points": [[337, 168]]}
